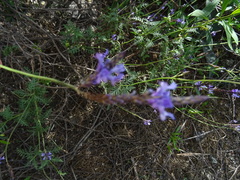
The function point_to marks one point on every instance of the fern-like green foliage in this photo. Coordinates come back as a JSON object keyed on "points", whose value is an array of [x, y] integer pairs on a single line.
{"points": [[7, 115], [31, 101], [76, 39], [30, 113], [31, 116], [33, 156], [174, 140]]}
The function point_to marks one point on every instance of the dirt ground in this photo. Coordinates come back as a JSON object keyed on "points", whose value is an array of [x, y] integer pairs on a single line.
{"points": [[105, 142]]}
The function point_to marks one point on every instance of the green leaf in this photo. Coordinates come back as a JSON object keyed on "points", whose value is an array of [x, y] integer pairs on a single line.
{"points": [[62, 173], [210, 6], [7, 114], [28, 178], [203, 14], [230, 33], [224, 5], [198, 13], [4, 142], [237, 11]]}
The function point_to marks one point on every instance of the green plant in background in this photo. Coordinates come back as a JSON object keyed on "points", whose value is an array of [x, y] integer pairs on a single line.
{"points": [[3, 139], [76, 39], [166, 44], [174, 140], [31, 116], [7, 50], [174, 38]]}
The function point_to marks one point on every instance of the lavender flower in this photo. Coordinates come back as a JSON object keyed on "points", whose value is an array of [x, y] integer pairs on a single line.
{"points": [[210, 89], [213, 33], [235, 93], [233, 121], [147, 122], [237, 128], [2, 159], [46, 156], [180, 21], [107, 70], [151, 17], [161, 99], [114, 37], [172, 11], [201, 87], [163, 5], [198, 83]]}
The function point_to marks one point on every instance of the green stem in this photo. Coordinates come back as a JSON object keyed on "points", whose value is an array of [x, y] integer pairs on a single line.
{"points": [[130, 112], [42, 78], [186, 80]]}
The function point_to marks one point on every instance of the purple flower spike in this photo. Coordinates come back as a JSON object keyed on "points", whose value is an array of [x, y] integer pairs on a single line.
{"points": [[107, 70], [46, 156], [161, 99]]}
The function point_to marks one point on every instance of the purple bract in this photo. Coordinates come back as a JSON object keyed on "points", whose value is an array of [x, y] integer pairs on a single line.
{"points": [[161, 99], [107, 70]]}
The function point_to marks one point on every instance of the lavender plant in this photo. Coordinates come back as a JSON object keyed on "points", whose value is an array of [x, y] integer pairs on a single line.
{"points": [[110, 71], [168, 41]]}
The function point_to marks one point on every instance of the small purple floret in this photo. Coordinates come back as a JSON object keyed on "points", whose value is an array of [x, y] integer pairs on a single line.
{"points": [[107, 70], [151, 17], [213, 33], [172, 11], [201, 87], [46, 156], [147, 122], [162, 99], [114, 37], [2, 159], [180, 21], [235, 93], [237, 128]]}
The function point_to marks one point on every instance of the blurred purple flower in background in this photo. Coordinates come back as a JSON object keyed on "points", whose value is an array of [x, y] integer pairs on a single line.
{"points": [[114, 37], [233, 121], [151, 17], [200, 87], [46, 156], [180, 21], [163, 5], [235, 93], [162, 99], [147, 122], [210, 89], [107, 70], [2, 159], [237, 128], [213, 33], [172, 11]]}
